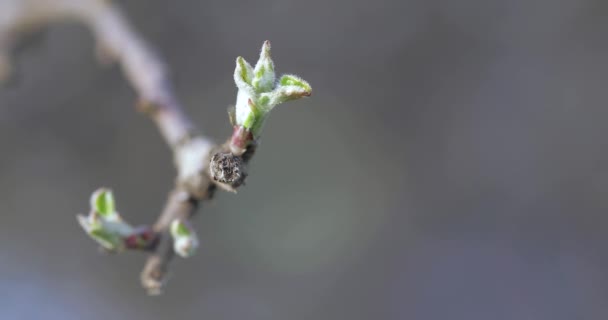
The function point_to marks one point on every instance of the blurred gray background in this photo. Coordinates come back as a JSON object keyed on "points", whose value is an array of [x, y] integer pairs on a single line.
{"points": [[451, 164]]}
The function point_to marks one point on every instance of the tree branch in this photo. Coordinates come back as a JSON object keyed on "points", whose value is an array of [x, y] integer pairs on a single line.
{"points": [[201, 165], [117, 41]]}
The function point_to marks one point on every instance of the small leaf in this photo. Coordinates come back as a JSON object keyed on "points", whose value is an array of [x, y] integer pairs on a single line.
{"points": [[95, 227], [107, 239], [243, 74], [293, 80], [102, 202], [263, 80], [253, 117], [85, 222], [288, 93], [282, 94]]}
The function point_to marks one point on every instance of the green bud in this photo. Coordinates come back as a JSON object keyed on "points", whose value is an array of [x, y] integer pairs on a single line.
{"points": [[185, 240], [109, 234], [258, 92], [104, 224]]}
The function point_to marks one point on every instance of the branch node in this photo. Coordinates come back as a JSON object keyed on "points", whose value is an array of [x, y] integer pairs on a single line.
{"points": [[192, 159]]}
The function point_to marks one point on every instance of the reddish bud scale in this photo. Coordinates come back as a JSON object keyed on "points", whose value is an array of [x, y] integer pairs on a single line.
{"points": [[140, 239], [132, 242], [241, 138]]}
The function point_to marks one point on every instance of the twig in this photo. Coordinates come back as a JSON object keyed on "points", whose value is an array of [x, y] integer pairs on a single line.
{"points": [[201, 165], [116, 40]]}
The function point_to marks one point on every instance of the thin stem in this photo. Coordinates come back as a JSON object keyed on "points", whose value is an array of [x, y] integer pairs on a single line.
{"points": [[179, 205]]}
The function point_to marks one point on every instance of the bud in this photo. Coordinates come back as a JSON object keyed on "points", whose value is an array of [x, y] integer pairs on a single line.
{"points": [[185, 240], [103, 223], [258, 93], [94, 227]]}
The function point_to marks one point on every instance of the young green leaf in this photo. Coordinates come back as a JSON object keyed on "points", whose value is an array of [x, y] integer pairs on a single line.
{"points": [[293, 80], [102, 202], [108, 235], [106, 239], [264, 76], [243, 74]]}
